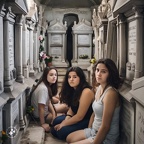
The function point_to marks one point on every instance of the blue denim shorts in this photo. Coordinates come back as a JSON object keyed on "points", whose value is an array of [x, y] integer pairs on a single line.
{"points": [[90, 134]]}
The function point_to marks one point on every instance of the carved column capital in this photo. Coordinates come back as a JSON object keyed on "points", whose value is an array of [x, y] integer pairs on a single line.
{"points": [[19, 19], [138, 11], [121, 18]]}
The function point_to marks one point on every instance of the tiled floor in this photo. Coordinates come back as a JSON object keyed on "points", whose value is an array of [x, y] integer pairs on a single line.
{"points": [[49, 139]]}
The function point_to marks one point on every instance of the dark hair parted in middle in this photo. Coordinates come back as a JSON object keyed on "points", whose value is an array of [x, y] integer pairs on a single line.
{"points": [[53, 88], [70, 95], [114, 79]]}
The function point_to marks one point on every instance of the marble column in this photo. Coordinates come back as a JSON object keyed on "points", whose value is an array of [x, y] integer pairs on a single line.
{"points": [[96, 42], [21, 118], [63, 49], [24, 51], [122, 45], [49, 47], [35, 49], [18, 48], [1, 51], [139, 64], [75, 58], [31, 72], [9, 50], [90, 51], [117, 24]]}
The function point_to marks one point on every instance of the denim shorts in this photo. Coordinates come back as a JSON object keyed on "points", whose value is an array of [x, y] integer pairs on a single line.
{"points": [[90, 134]]}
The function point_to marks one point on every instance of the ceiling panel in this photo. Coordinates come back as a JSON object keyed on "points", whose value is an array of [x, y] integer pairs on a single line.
{"points": [[70, 3]]}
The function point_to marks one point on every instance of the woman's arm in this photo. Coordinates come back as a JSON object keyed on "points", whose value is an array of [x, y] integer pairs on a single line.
{"points": [[41, 109], [56, 99], [85, 101], [51, 110], [110, 102], [69, 114], [91, 120]]}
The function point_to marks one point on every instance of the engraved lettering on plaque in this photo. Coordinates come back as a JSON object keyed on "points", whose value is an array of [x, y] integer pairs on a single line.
{"points": [[14, 110], [140, 125], [56, 39], [83, 40], [11, 46], [132, 42], [56, 51]]}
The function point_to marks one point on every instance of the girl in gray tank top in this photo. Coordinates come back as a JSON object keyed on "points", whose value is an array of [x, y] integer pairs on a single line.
{"points": [[104, 123]]}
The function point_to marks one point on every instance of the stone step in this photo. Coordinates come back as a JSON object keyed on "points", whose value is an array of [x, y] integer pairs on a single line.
{"points": [[61, 73], [34, 134]]}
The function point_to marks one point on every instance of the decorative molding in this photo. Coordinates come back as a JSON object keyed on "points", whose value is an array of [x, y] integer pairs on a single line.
{"points": [[72, 10], [138, 11]]}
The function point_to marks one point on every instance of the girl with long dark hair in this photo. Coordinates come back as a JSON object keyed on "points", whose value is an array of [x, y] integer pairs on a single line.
{"points": [[42, 94], [104, 123], [78, 95]]}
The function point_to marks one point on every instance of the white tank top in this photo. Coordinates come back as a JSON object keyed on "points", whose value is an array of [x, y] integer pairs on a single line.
{"points": [[97, 106]]}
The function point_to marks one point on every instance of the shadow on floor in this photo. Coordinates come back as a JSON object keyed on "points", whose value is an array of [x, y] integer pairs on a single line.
{"points": [[49, 139]]}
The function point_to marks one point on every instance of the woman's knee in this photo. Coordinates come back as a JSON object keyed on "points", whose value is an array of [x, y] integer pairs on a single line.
{"points": [[69, 138], [58, 120]]}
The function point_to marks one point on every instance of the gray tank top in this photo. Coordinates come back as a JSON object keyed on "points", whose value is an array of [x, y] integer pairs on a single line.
{"points": [[113, 134]]}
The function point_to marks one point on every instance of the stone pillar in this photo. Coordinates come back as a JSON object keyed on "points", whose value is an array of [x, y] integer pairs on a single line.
{"points": [[21, 118], [139, 64], [35, 48], [31, 73], [18, 48], [63, 49], [9, 70], [117, 43], [24, 51], [122, 45], [1, 51], [96, 42], [49, 47], [75, 58]]}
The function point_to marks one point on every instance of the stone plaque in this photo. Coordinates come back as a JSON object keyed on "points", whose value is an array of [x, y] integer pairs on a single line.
{"points": [[15, 110], [83, 51], [83, 40], [56, 51], [11, 46], [139, 135], [127, 123], [132, 41], [56, 39]]}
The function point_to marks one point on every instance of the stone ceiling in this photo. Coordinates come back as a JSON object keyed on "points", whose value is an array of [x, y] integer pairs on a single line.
{"points": [[70, 3]]}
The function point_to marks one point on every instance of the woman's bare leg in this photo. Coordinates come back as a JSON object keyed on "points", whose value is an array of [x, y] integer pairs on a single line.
{"points": [[49, 118], [76, 136], [61, 108], [86, 141]]}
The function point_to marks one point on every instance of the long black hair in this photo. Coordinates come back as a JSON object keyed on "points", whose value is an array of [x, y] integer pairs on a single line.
{"points": [[52, 88], [70, 95], [113, 79]]}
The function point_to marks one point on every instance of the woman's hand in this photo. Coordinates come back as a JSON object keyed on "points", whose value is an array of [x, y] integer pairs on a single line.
{"points": [[46, 127], [59, 126]]}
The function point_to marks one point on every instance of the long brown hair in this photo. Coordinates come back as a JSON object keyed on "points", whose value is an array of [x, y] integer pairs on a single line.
{"points": [[52, 88]]}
